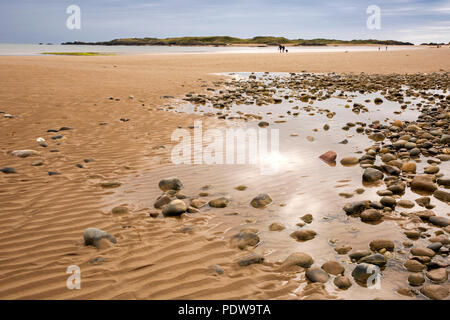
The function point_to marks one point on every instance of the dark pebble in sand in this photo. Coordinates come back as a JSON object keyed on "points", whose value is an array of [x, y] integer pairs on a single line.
{"points": [[342, 282], [8, 170], [317, 275], [54, 173], [59, 136], [79, 165], [250, 259], [440, 221]]}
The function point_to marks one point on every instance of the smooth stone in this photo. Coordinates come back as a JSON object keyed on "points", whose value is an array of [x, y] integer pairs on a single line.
{"points": [[371, 215], [423, 183], [110, 185], [431, 170], [412, 234], [303, 234], [436, 246], [355, 207], [317, 275], [276, 226], [376, 245], [250, 259], [174, 208], [219, 202], [423, 201], [409, 167], [372, 175], [342, 282], [261, 201], [333, 267], [24, 153], [307, 218], [359, 254], [406, 204], [416, 279], [162, 201], [8, 170], [343, 249], [388, 202], [443, 182], [170, 184], [119, 210], [198, 203], [442, 195], [435, 292], [414, 266], [93, 236], [329, 157], [376, 259], [298, 259], [349, 161], [440, 221], [362, 272], [438, 275], [215, 269], [423, 252]]}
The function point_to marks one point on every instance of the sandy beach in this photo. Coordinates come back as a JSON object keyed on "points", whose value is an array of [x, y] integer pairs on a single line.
{"points": [[100, 127]]}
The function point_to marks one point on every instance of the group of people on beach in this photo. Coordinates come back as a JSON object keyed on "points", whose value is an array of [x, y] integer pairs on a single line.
{"points": [[282, 49]]}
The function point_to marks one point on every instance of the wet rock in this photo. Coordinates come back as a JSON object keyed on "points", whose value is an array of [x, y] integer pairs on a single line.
{"points": [[170, 184], [333, 267], [388, 202], [362, 272], [24, 153], [440, 221], [250, 259], [416, 279], [435, 292], [443, 182], [110, 185], [376, 259], [414, 266], [174, 208], [198, 203], [405, 204], [219, 202], [423, 201], [342, 282], [412, 234], [8, 170], [343, 249], [261, 201], [241, 187], [355, 208], [307, 218], [376, 245], [442, 195], [317, 275], [299, 259], [263, 124], [329, 157], [93, 237], [215, 269], [371, 215], [438, 275], [423, 183], [162, 201], [435, 246], [119, 210], [244, 239], [431, 170], [303, 234], [276, 226], [409, 167], [349, 161], [372, 175], [359, 254], [423, 252]]}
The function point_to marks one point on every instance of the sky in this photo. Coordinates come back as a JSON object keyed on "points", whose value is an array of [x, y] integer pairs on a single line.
{"points": [[34, 21]]}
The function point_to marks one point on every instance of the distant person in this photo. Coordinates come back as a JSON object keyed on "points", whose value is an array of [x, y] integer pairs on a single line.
{"points": [[280, 48], [286, 50], [386, 48], [379, 48]]}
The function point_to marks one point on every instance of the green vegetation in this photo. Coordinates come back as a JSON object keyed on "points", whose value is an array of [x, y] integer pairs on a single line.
{"points": [[225, 40], [79, 53]]}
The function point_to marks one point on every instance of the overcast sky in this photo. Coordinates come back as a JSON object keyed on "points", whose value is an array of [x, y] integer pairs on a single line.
{"points": [[33, 21]]}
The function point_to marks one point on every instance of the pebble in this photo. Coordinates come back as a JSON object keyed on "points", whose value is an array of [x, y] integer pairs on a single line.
{"points": [[198, 203], [261, 201], [343, 249], [119, 210], [376, 259], [317, 275], [409, 167], [244, 238], [370, 215], [405, 204], [376, 245], [329, 157], [303, 234], [423, 252], [253, 258], [300, 259], [414, 266], [221, 202], [388, 202], [359, 254], [362, 272], [416, 279], [442, 195], [174, 208], [438, 275], [435, 292], [307, 218], [372, 175], [276, 226], [8, 170], [24, 153], [423, 183], [349, 161], [170, 184], [333, 267], [342, 282], [110, 185], [440, 221], [93, 236]]}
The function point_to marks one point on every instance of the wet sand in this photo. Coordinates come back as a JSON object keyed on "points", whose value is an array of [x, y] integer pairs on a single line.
{"points": [[43, 217]]}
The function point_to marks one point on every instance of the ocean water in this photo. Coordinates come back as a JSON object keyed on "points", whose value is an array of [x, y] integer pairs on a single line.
{"points": [[36, 49]]}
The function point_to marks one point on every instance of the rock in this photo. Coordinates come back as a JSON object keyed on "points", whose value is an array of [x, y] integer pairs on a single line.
{"points": [[379, 101], [388, 157], [388, 202], [416, 279], [326, 127], [170, 184], [409, 167], [443, 182], [250, 259], [329, 157], [241, 188], [391, 170], [435, 246], [54, 173], [37, 163], [362, 272], [431, 170], [445, 139], [276, 226], [308, 218], [24, 153], [423, 252], [317, 275], [110, 185], [355, 208], [93, 237], [343, 249], [405, 204], [303, 234], [414, 266], [442, 195], [376, 245], [397, 123], [435, 292], [215, 269], [372, 175], [423, 201], [371, 215], [243, 239], [299, 259], [440, 221], [261, 201], [438, 275], [333, 267], [219, 202], [162, 201], [119, 210], [377, 136], [423, 183], [198, 203], [342, 282], [8, 170], [412, 234], [376, 259], [174, 208], [263, 124], [349, 161], [406, 292], [359, 254]]}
